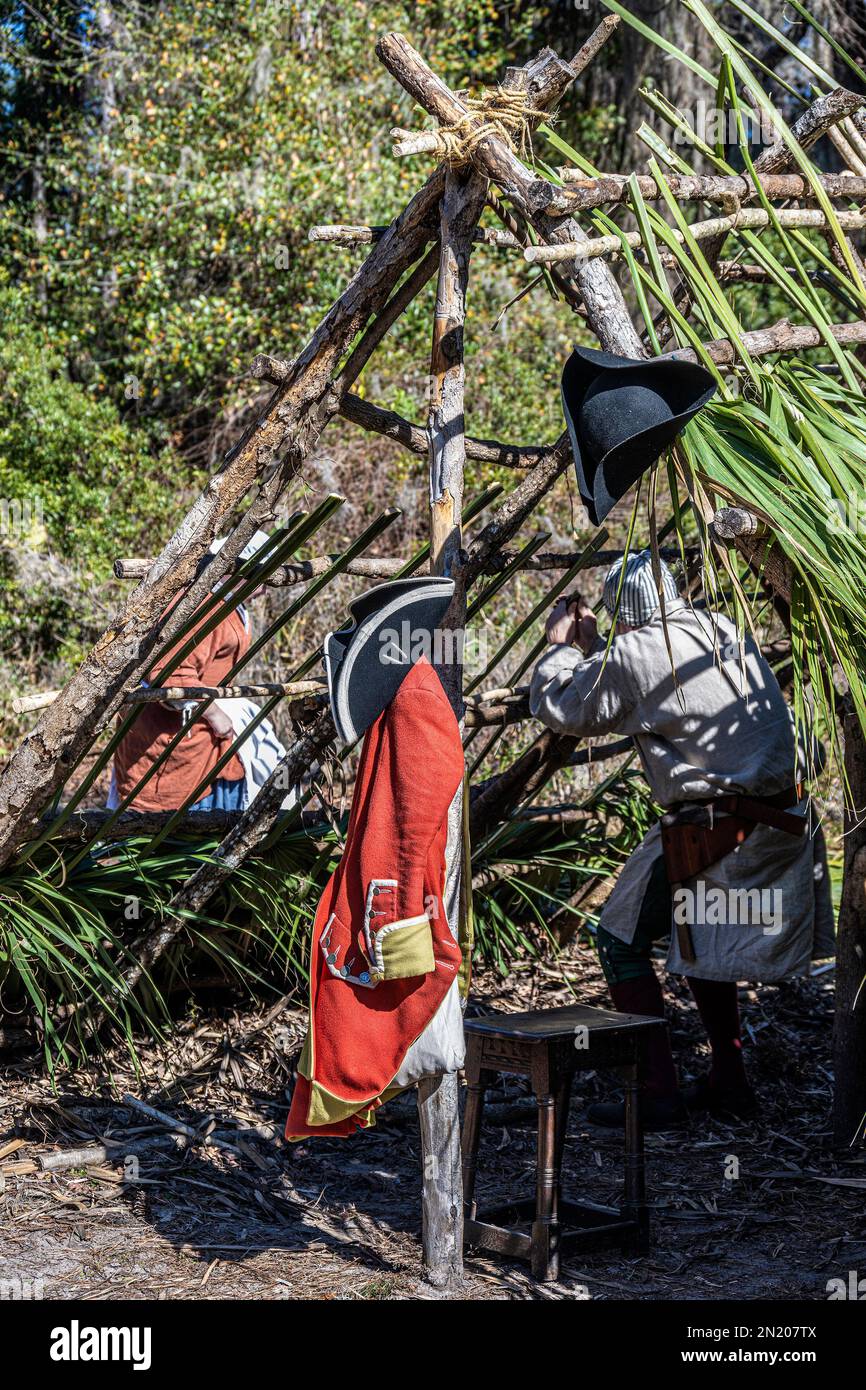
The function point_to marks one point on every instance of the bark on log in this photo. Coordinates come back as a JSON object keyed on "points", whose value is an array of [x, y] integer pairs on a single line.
{"points": [[590, 50], [156, 694], [553, 815], [413, 437], [808, 128], [564, 559], [581, 194], [442, 1211], [171, 1122], [735, 272], [508, 709], [348, 235], [462, 204], [284, 576], [522, 781], [739, 527], [777, 337], [61, 1160], [87, 826], [729, 523], [385, 566]]}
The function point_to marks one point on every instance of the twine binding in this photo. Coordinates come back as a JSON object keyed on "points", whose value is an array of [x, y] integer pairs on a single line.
{"points": [[503, 112]]}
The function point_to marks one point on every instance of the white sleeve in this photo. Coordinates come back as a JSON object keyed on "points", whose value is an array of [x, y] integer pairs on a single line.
{"points": [[573, 694]]}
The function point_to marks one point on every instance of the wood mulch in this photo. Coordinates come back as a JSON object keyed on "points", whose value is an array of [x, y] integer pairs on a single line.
{"points": [[327, 1219]]}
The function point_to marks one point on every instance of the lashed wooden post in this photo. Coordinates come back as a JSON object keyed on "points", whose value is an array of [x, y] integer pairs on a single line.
{"points": [[545, 80], [462, 204], [606, 309]]}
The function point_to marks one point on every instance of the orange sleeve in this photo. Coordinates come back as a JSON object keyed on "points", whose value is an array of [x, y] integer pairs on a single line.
{"points": [[191, 669]]}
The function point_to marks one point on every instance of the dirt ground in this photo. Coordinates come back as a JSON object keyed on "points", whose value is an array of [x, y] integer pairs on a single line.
{"points": [[329, 1219]]}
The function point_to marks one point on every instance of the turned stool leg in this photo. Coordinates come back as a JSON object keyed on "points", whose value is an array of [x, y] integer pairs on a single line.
{"points": [[563, 1101], [635, 1205], [472, 1116], [545, 1228]]}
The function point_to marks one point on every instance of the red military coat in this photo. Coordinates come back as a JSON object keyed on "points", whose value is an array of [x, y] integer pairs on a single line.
{"points": [[382, 953]]}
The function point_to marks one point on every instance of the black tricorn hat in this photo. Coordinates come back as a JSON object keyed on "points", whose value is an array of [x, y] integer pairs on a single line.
{"points": [[367, 659], [622, 413]]}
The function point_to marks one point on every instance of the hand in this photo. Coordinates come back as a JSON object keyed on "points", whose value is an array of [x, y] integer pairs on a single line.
{"points": [[587, 628], [219, 722], [561, 625]]}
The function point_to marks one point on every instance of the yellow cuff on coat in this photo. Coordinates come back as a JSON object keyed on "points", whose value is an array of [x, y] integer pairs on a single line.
{"points": [[403, 949]]}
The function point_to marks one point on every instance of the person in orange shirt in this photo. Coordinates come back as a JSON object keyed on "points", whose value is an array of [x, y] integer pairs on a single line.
{"points": [[205, 739]]}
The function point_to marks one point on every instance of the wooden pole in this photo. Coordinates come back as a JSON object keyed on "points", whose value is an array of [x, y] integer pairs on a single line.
{"points": [[581, 194], [545, 81], [738, 527], [22, 704], [849, 1025], [784, 337], [340, 234], [462, 205], [714, 229]]}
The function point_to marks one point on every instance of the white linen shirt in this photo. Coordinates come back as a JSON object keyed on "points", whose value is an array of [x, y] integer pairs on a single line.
{"points": [[721, 726]]}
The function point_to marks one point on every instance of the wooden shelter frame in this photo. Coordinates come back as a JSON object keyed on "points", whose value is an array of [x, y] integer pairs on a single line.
{"points": [[435, 235]]}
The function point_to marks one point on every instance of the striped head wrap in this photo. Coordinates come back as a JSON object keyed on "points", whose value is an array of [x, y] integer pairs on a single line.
{"points": [[639, 600]]}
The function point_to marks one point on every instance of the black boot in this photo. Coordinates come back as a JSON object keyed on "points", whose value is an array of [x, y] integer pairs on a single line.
{"points": [[661, 1105], [657, 1112], [735, 1102]]}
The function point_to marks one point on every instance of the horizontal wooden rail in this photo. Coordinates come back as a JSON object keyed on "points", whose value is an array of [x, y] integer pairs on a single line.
{"points": [[745, 219], [384, 566], [581, 194], [153, 694], [352, 234]]}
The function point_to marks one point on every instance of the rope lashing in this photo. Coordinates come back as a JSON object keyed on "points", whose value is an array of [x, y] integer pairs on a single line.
{"points": [[503, 112]]}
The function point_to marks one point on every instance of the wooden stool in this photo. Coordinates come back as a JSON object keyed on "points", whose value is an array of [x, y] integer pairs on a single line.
{"points": [[549, 1046]]}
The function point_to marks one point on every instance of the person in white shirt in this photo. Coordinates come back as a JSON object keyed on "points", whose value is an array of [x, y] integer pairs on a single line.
{"points": [[740, 873]]}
